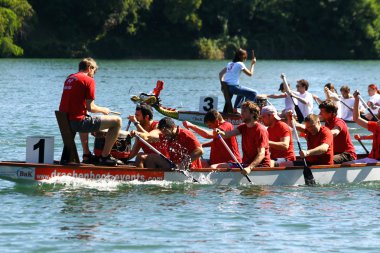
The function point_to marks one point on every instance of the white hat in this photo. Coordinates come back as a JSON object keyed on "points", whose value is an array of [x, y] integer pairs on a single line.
{"points": [[270, 109]]}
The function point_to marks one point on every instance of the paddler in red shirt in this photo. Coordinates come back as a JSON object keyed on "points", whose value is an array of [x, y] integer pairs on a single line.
{"points": [[255, 141], [344, 150], [281, 145], [373, 127], [143, 120], [320, 143], [218, 153], [182, 147], [78, 98]]}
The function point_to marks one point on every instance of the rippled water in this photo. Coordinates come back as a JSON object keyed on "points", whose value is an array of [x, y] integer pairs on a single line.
{"points": [[105, 216]]}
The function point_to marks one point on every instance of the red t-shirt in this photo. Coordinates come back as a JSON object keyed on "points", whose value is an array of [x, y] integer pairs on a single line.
{"points": [[323, 136], [342, 142], [253, 138], [375, 129], [182, 146], [219, 153], [276, 132], [77, 89]]}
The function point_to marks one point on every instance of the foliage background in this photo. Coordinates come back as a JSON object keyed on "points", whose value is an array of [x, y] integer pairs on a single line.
{"points": [[183, 29]]}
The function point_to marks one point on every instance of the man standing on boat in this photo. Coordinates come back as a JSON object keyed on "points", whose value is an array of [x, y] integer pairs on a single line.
{"points": [[218, 153], [183, 147], [320, 143], [344, 150], [281, 145], [255, 141], [77, 99], [143, 120]]}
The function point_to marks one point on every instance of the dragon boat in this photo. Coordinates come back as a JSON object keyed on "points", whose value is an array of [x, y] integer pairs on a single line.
{"points": [[191, 116], [194, 117], [279, 176]]}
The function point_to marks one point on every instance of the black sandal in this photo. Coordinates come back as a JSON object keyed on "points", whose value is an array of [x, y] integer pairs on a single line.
{"points": [[88, 158]]}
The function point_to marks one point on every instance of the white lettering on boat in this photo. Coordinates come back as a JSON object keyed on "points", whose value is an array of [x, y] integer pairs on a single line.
{"points": [[99, 175]]}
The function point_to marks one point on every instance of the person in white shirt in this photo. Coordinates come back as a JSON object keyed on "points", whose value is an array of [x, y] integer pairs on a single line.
{"points": [[303, 96], [331, 94], [289, 105], [231, 75], [349, 100], [374, 100]]}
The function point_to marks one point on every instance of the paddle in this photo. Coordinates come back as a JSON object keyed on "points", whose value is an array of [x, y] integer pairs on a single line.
{"points": [[361, 143], [129, 124], [345, 104], [366, 106], [117, 113], [232, 155], [299, 114], [173, 166], [307, 174]]}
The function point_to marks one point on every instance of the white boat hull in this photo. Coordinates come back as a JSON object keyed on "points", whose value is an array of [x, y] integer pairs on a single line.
{"points": [[259, 176]]}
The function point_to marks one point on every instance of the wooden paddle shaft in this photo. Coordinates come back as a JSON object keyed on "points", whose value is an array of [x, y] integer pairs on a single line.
{"points": [[232, 155], [366, 106]]}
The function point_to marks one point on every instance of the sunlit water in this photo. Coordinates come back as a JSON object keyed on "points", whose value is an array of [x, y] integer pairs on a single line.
{"points": [[67, 215]]}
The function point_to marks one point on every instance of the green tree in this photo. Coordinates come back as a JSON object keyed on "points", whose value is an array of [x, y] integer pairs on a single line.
{"points": [[66, 28], [13, 14]]}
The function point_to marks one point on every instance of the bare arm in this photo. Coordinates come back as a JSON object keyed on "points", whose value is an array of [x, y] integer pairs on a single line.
{"points": [[139, 128], [335, 131], [299, 127], [321, 149], [283, 144], [135, 149], [226, 135], [222, 73], [249, 72], [356, 114], [202, 132], [302, 100], [275, 96], [207, 144], [92, 107], [259, 157], [152, 136], [197, 153]]}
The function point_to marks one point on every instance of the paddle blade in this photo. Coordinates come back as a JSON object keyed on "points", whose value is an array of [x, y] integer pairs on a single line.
{"points": [[308, 175]]}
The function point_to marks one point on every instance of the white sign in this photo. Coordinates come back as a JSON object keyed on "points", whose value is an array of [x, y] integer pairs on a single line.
{"points": [[40, 149], [206, 103]]}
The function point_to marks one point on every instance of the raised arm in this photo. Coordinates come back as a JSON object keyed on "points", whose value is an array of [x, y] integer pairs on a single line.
{"points": [[202, 132], [356, 114], [249, 72]]}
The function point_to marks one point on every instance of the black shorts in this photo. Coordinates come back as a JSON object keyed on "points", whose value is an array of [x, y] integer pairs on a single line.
{"points": [[87, 125]]}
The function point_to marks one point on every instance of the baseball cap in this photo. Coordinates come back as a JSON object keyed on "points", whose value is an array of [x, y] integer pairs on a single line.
{"points": [[270, 109]]}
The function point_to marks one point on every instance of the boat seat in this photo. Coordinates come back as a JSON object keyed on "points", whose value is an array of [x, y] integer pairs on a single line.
{"points": [[228, 108], [69, 153]]}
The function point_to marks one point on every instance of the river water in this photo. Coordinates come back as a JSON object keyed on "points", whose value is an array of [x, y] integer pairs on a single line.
{"points": [[69, 215]]}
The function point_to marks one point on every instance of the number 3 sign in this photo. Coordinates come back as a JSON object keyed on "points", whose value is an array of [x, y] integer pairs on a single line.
{"points": [[208, 103]]}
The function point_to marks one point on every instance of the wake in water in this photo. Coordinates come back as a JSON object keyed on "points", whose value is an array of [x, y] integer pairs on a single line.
{"points": [[110, 184]]}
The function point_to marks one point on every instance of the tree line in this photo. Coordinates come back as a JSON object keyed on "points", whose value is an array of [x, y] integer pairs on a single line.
{"points": [[189, 29]]}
